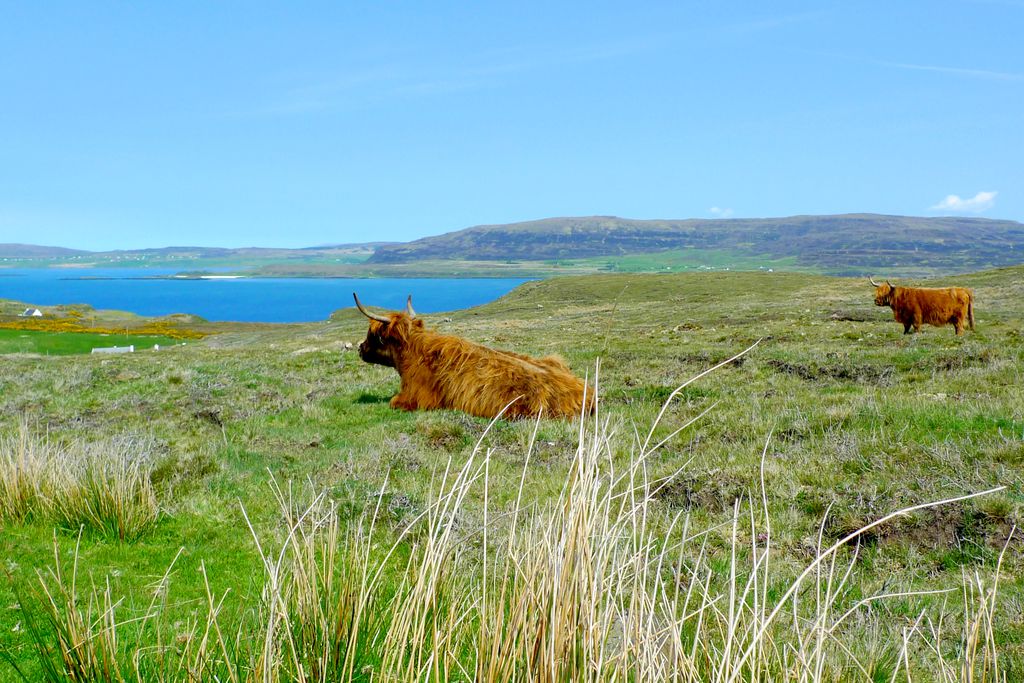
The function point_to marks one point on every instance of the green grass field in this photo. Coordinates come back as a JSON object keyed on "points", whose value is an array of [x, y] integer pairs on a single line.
{"points": [[61, 344], [682, 260], [843, 417]]}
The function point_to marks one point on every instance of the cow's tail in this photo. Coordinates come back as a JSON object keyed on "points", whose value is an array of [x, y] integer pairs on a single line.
{"points": [[970, 310]]}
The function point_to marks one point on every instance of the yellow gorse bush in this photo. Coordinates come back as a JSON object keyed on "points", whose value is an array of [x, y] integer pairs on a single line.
{"points": [[72, 324]]}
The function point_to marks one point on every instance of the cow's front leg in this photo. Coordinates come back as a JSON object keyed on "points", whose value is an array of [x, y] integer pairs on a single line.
{"points": [[906, 328], [404, 401], [400, 402]]}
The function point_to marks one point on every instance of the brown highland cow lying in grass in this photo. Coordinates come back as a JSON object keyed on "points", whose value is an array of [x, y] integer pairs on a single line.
{"points": [[443, 371], [914, 306]]}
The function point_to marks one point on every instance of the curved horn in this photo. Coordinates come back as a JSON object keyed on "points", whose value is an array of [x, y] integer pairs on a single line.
{"points": [[408, 308], [873, 283], [890, 284], [371, 316]]}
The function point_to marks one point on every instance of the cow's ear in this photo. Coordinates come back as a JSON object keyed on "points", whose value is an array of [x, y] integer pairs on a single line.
{"points": [[417, 323]]}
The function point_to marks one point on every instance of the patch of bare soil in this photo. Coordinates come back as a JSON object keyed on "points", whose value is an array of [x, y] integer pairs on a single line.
{"points": [[713, 490], [944, 528], [837, 370], [852, 315], [951, 362]]}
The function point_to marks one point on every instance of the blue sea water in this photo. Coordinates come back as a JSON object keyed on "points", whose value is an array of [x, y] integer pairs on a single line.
{"points": [[277, 300]]}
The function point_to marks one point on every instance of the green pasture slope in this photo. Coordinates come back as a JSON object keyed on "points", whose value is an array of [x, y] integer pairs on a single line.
{"points": [[66, 343], [859, 421]]}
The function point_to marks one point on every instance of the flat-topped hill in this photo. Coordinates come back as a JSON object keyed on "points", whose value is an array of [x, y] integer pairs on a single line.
{"points": [[850, 242]]}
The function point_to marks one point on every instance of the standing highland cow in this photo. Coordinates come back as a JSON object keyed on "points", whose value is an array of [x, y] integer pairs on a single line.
{"points": [[914, 306], [442, 371]]}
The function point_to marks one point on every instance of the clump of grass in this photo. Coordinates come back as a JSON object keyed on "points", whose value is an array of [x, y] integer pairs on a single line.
{"points": [[77, 632], [319, 608], [23, 465], [83, 646], [106, 486]]}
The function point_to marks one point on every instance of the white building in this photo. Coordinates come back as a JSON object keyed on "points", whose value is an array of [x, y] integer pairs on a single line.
{"points": [[114, 349]]}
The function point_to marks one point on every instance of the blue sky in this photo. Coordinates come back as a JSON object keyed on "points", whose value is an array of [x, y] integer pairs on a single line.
{"points": [[127, 125]]}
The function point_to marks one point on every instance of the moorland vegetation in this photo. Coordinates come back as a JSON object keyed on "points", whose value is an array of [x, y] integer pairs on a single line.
{"points": [[248, 507]]}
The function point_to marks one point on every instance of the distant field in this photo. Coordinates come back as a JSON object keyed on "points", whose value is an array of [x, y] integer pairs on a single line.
{"points": [[64, 343], [692, 259], [678, 260]]}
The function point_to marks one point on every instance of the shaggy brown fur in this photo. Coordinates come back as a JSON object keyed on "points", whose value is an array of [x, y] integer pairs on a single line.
{"points": [[442, 371], [914, 306]]}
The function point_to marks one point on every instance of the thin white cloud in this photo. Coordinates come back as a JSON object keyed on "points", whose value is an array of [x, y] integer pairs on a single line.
{"points": [[719, 212], [326, 93], [983, 201], [962, 72], [771, 23], [1005, 3], [404, 79], [957, 71]]}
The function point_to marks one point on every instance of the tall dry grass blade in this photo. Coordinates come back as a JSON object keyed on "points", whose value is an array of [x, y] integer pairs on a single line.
{"points": [[795, 585], [678, 390]]}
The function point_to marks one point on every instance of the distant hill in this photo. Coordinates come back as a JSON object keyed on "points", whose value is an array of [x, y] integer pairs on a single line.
{"points": [[239, 252], [197, 257], [850, 242], [34, 251]]}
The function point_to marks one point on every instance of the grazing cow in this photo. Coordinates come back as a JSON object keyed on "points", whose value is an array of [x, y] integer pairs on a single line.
{"points": [[914, 306], [442, 371]]}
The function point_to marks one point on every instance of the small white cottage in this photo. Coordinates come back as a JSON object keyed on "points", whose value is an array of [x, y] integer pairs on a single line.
{"points": [[31, 313]]}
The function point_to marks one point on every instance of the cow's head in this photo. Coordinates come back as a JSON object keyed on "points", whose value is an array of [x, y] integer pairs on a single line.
{"points": [[388, 334], [883, 292]]}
